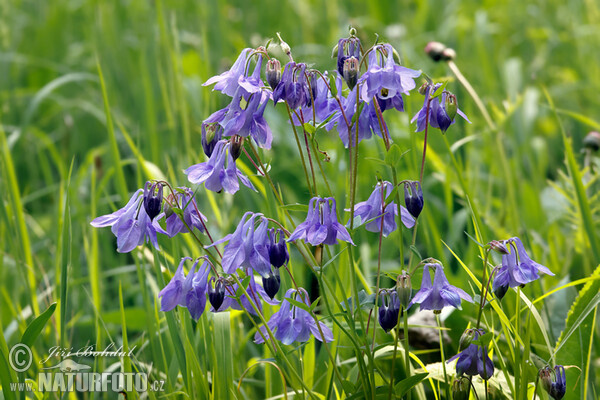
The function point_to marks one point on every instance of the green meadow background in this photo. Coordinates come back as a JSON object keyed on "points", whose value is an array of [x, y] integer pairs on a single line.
{"points": [[96, 97]]}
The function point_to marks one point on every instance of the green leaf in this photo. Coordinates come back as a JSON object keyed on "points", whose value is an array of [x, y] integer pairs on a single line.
{"points": [[35, 327], [295, 207], [309, 128], [405, 385], [393, 156]]}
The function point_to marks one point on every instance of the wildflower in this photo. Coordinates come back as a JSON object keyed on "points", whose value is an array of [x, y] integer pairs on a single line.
{"points": [[558, 387], [153, 199], [347, 48], [216, 293], [439, 295], [253, 83], [294, 324], [247, 246], [385, 80], [389, 309], [413, 197], [370, 212], [227, 82], [438, 115], [517, 268], [215, 175], [272, 282], [474, 359], [187, 291], [293, 87], [278, 252], [321, 225], [131, 224], [249, 301], [273, 72], [249, 121], [350, 71], [184, 198], [212, 131]]}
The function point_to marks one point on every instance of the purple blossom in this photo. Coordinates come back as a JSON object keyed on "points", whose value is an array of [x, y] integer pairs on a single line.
{"points": [[184, 198], [517, 268], [228, 81], [439, 295], [389, 309], [321, 225], [554, 381], [293, 324], [347, 47], [438, 116], [278, 252], [131, 224], [474, 360], [324, 104], [385, 80], [249, 121], [247, 246], [217, 176], [370, 212], [256, 293], [293, 87]]}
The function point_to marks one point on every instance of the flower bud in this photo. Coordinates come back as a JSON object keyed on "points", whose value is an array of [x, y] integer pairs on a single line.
{"points": [[423, 88], [273, 72], [554, 381], [350, 71], [211, 134], [216, 294], [498, 246], [389, 309], [278, 253], [461, 389], [448, 54], [500, 291], [435, 50], [272, 282], [466, 338], [451, 106], [592, 141], [413, 198], [237, 143], [284, 46], [404, 289], [153, 199], [545, 375]]}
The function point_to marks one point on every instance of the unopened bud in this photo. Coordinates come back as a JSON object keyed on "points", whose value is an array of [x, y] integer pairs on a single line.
{"points": [[500, 291], [461, 389], [404, 289], [237, 143], [352, 31], [423, 88], [350, 71], [216, 294], [448, 54], [435, 50], [498, 246], [272, 282], [451, 106], [413, 198], [592, 141], [284, 46], [545, 375], [273, 72], [466, 338]]}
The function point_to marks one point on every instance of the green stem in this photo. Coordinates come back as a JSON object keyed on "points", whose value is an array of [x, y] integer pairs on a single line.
{"points": [[439, 322]]}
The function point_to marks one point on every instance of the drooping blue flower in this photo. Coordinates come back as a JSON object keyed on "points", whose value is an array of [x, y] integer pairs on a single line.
{"points": [[217, 176], [250, 120], [272, 282], [212, 131], [187, 291], [438, 114], [413, 198], [347, 48], [321, 225], [370, 212], [131, 224], [256, 295], [474, 360], [440, 294], [517, 268], [253, 83], [278, 252], [185, 200], [247, 246], [153, 197], [324, 103], [228, 81], [385, 80], [293, 87], [292, 324], [389, 309], [554, 381]]}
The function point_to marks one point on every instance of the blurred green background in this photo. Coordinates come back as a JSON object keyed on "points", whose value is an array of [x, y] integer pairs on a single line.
{"points": [[154, 57]]}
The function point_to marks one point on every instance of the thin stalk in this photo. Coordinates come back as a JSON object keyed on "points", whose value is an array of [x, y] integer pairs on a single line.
{"points": [[289, 111], [483, 288], [439, 322], [406, 351], [425, 140]]}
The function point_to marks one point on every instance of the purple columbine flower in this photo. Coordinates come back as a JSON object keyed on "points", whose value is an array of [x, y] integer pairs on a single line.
{"points": [[212, 131], [293, 324], [249, 121], [278, 252], [556, 387], [228, 81], [324, 104], [370, 212], [272, 282], [187, 291], [385, 80], [256, 294], [517, 268], [215, 175], [321, 225], [440, 116], [389, 309], [440, 294], [247, 246], [474, 359], [131, 224], [153, 197], [184, 198], [293, 87], [347, 47]]}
